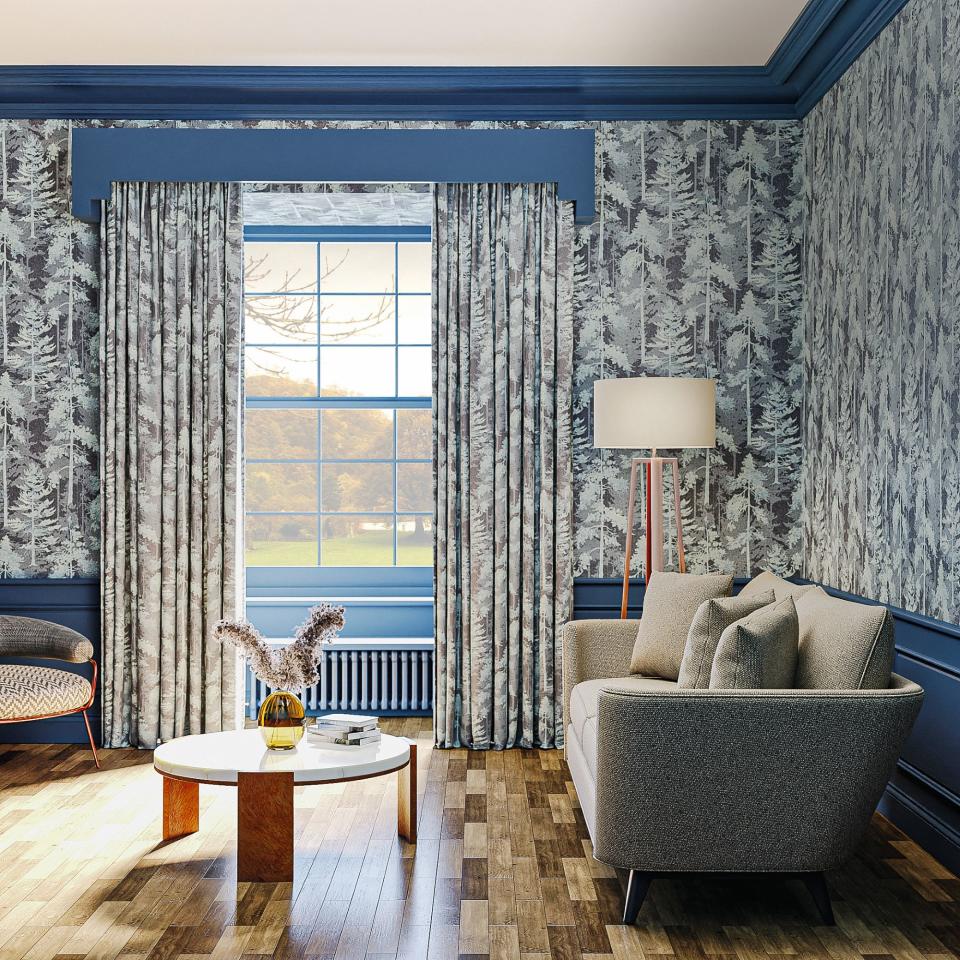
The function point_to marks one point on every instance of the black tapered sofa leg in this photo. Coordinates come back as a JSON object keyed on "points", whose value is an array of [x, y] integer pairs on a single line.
{"points": [[816, 884], [637, 887]]}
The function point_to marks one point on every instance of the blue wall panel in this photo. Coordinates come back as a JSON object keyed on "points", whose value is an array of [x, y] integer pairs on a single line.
{"points": [[934, 745], [74, 603]]}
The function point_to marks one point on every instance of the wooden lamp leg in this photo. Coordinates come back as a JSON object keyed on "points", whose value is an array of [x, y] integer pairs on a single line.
{"points": [[181, 808], [650, 565], [407, 798], [631, 506], [682, 560]]}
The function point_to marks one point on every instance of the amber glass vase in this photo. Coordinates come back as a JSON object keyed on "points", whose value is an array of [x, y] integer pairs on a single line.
{"points": [[281, 720]]}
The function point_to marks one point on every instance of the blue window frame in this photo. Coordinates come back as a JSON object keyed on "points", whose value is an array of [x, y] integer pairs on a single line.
{"points": [[338, 461]]}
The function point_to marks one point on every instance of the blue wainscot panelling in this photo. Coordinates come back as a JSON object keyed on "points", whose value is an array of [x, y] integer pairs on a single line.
{"points": [[923, 796], [74, 603]]}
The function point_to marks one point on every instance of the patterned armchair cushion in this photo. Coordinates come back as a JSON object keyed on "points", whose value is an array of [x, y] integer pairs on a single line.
{"points": [[37, 691], [28, 637]]}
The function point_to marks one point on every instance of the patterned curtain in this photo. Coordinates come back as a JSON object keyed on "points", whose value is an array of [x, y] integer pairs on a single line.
{"points": [[502, 382], [170, 408]]}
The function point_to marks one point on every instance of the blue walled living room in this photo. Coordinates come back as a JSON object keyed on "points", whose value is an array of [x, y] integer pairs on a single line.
{"points": [[480, 483]]}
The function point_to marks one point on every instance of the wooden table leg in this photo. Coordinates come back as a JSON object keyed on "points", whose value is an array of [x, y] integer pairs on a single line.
{"points": [[265, 827], [181, 808], [407, 798]]}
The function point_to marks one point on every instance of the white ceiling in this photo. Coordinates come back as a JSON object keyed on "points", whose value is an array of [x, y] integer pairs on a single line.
{"points": [[396, 32]]}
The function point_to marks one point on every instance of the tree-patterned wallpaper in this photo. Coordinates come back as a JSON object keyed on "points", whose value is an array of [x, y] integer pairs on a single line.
{"points": [[882, 457], [692, 267]]}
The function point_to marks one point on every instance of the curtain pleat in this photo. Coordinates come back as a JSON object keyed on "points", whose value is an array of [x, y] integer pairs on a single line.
{"points": [[502, 381], [171, 418]]}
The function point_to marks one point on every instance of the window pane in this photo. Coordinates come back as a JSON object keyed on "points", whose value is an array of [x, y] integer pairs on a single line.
{"points": [[414, 541], [414, 323], [415, 434], [415, 265], [281, 486], [357, 268], [281, 434], [279, 267], [357, 542], [280, 319], [281, 371], [415, 486], [358, 372], [289, 541], [357, 319], [357, 487], [415, 372], [357, 434]]}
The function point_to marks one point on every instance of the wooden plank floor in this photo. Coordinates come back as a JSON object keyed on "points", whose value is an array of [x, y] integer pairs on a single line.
{"points": [[502, 870]]}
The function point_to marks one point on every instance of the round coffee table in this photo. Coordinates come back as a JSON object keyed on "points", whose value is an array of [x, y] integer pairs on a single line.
{"points": [[265, 780]]}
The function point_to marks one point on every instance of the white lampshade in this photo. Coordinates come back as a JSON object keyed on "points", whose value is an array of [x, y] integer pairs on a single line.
{"points": [[643, 413]]}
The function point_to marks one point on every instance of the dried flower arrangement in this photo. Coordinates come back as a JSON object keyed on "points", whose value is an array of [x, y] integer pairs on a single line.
{"points": [[293, 666]]}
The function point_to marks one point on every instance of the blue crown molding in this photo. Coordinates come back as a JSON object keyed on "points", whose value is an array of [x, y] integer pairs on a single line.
{"points": [[103, 156], [826, 38], [853, 28], [402, 93]]}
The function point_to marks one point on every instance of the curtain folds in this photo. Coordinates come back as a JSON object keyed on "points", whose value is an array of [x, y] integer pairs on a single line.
{"points": [[502, 383], [171, 416]]}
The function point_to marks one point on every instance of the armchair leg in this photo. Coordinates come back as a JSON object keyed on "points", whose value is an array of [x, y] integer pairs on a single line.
{"points": [[816, 885], [637, 887], [93, 746]]}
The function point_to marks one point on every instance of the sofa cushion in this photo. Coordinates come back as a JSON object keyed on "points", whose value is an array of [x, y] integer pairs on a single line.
{"points": [[670, 603], [781, 588], [712, 618], [37, 691], [585, 697], [759, 652], [843, 645]]}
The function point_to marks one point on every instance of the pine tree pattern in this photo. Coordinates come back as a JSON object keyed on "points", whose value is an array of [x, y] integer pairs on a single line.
{"points": [[48, 361], [692, 268], [881, 513]]}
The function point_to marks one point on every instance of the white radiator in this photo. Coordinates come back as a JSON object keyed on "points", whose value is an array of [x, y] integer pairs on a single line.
{"points": [[382, 677]]}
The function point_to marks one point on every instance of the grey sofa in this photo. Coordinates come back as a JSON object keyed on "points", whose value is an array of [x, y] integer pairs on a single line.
{"points": [[676, 780]]}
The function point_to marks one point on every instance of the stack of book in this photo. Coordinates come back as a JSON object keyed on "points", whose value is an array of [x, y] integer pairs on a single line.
{"points": [[344, 730]]}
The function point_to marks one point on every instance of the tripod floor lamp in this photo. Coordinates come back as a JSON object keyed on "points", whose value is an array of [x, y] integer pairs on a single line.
{"points": [[653, 413]]}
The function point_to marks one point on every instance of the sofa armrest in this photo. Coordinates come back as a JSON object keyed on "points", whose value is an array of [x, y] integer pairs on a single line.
{"points": [[744, 780], [595, 650]]}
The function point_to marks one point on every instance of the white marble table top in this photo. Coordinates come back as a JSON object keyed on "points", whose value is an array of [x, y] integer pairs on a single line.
{"points": [[219, 757]]}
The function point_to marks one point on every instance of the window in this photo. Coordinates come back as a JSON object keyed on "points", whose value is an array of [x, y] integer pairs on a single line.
{"points": [[338, 382]]}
